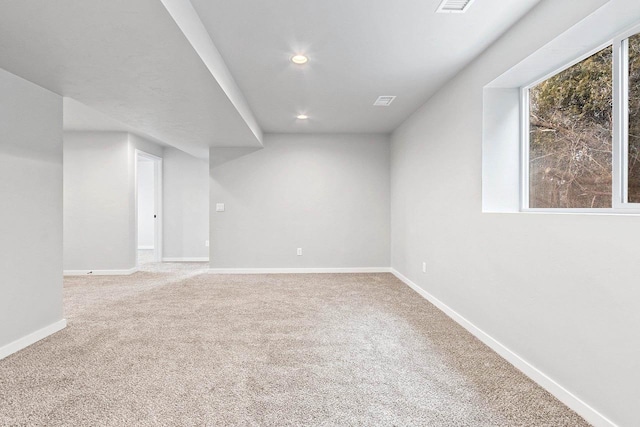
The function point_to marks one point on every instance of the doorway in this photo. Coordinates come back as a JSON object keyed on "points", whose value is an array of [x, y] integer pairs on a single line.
{"points": [[148, 208]]}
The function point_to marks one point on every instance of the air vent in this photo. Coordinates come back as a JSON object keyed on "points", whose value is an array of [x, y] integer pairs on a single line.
{"points": [[454, 6], [384, 101]]}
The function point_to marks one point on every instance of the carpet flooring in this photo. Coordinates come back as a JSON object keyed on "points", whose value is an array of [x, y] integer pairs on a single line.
{"points": [[174, 345], [145, 256]]}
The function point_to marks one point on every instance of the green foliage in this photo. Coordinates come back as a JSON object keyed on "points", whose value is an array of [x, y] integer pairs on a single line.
{"points": [[582, 92]]}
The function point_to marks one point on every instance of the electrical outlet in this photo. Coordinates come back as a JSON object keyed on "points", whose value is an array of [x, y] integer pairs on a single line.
{"points": [[424, 267], [206, 243], [219, 207], [299, 251]]}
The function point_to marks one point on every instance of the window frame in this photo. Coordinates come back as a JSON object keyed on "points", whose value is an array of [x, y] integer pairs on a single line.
{"points": [[620, 131]]}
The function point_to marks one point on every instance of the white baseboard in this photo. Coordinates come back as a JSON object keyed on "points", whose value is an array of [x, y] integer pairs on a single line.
{"points": [[561, 393], [100, 272], [186, 259], [145, 248], [33, 337], [298, 270]]}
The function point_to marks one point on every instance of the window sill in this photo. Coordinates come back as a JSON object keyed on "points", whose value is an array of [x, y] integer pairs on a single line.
{"points": [[623, 211]]}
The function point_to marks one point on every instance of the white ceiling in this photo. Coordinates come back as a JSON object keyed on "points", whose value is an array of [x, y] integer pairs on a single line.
{"points": [[79, 117], [151, 67], [581, 40], [358, 50], [129, 61]]}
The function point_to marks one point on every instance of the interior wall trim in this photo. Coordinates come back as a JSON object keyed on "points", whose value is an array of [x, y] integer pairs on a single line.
{"points": [[561, 393], [298, 270], [32, 338], [100, 272]]}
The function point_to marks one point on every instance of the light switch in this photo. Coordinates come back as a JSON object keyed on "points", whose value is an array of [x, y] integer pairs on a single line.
{"points": [[219, 207]]}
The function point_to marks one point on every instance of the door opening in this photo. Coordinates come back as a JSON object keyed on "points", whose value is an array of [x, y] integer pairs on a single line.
{"points": [[148, 208]]}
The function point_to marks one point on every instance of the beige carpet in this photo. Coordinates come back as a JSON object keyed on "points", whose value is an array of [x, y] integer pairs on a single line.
{"points": [[145, 256], [174, 345]]}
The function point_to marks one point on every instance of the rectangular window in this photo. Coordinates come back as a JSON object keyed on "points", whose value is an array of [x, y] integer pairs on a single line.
{"points": [[581, 134], [633, 160], [570, 136]]}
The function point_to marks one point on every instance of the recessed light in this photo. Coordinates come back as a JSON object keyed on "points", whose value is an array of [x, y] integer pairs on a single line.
{"points": [[299, 59], [302, 117]]}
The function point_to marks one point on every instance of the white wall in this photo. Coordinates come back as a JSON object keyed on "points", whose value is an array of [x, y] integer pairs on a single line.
{"points": [[138, 143], [30, 212], [146, 204], [561, 291], [186, 206], [98, 202], [326, 194]]}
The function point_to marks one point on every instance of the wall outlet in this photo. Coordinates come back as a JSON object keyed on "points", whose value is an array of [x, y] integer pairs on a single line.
{"points": [[219, 207], [206, 243], [299, 251], [424, 267]]}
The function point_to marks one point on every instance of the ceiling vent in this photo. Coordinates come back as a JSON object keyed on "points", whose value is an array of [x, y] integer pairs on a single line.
{"points": [[454, 6], [384, 101]]}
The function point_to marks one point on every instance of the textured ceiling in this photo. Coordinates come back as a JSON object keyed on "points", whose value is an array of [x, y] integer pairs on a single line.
{"points": [[358, 50]]}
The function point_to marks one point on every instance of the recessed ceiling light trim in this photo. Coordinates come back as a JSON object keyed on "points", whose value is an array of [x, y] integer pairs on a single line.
{"points": [[454, 6], [299, 59], [384, 101]]}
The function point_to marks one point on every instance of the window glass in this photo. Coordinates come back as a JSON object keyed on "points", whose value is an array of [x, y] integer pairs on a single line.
{"points": [[570, 136], [634, 120]]}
